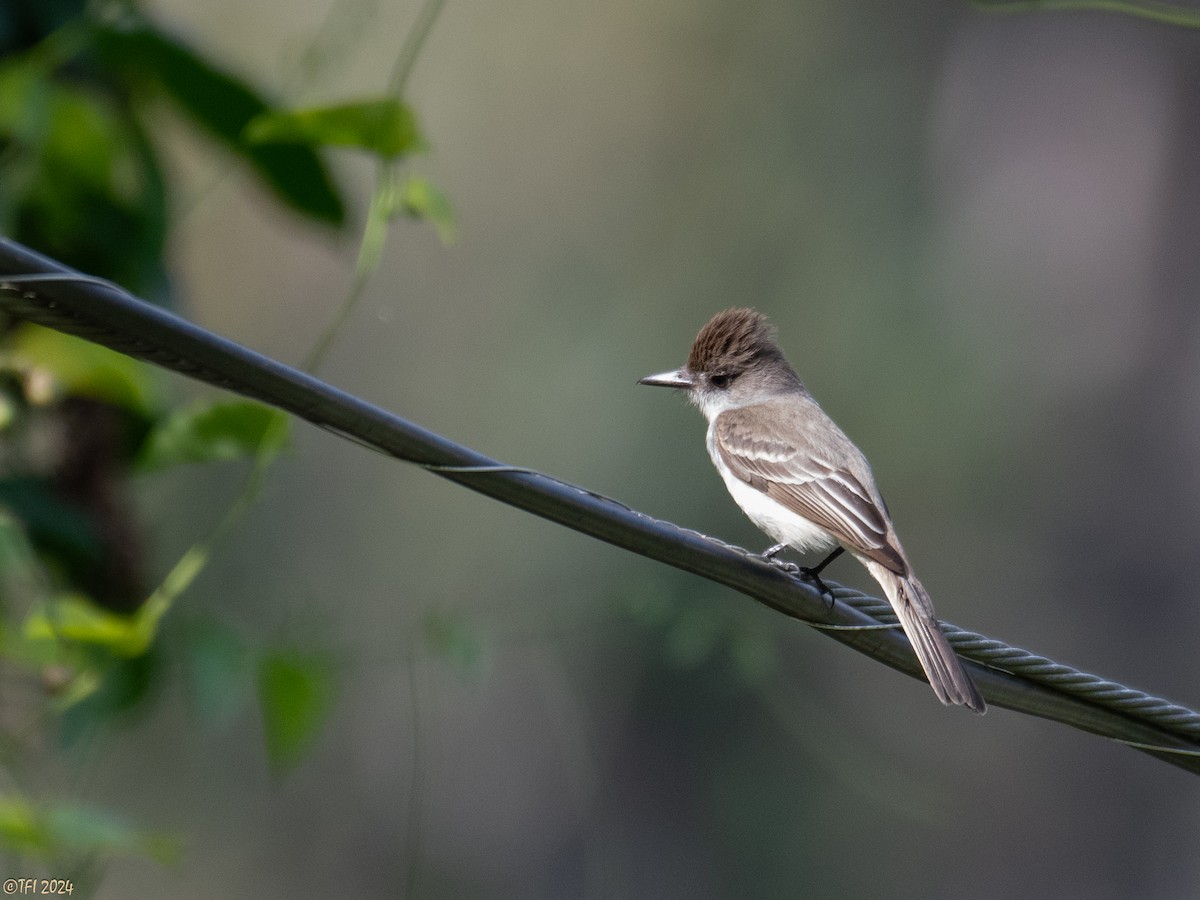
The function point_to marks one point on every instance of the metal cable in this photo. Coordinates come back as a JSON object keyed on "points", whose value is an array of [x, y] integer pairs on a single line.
{"points": [[1039, 669], [43, 291]]}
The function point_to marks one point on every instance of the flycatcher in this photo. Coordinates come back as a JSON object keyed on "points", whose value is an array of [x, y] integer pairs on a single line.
{"points": [[800, 479]]}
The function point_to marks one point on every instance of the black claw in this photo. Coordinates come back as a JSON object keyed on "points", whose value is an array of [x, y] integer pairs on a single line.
{"points": [[814, 575]]}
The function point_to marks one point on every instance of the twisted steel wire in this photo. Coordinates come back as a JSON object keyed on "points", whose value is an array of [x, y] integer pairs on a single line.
{"points": [[43, 291], [999, 655]]}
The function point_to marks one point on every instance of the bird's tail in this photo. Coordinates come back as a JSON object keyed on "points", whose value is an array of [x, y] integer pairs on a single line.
{"points": [[914, 609]]}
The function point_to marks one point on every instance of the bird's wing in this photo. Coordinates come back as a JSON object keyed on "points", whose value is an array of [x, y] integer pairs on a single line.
{"points": [[777, 458]]}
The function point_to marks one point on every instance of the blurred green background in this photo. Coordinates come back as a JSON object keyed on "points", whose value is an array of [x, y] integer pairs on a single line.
{"points": [[978, 236]]}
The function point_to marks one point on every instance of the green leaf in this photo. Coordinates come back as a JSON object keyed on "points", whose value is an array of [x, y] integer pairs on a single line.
{"points": [[54, 524], [21, 828], [26, 98], [23, 22], [82, 830], [217, 668], [222, 105], [104, 692], [295, 691], [386, 127], [88, 370], [10, 409], [80, 180], [422, 200], [215, 432], [74, 618], [20, 573], [76, 830]]}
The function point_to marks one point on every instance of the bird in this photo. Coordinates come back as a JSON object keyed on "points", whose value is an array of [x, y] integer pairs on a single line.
{"points": [[801, 480]]}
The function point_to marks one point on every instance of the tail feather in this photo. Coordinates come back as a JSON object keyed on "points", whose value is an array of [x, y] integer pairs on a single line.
{"points": [[914, 609]]}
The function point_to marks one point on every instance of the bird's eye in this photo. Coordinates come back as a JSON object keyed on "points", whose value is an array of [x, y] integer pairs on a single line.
{"points": [[722, 380]]}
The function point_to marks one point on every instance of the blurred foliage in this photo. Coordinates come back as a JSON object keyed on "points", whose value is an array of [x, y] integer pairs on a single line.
{"points": [[295, 692], [422, 200], [82, 86], [79, 368], [146, 58], [387, 128], [83, 181], [216, 669], [214, 432], [75, 833]]}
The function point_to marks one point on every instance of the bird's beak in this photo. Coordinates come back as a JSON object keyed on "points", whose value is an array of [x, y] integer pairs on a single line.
{"points": [[680, 378]]}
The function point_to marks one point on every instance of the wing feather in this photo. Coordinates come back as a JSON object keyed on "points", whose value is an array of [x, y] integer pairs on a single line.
{"points": [[790, 470]]}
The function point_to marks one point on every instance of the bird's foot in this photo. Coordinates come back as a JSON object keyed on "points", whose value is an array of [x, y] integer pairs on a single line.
{"points": [[770, 556], [814, 575]]}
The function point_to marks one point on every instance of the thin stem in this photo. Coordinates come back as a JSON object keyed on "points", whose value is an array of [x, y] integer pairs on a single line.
{"points": [[375, 229], [370, 251], [413, 42], [196, 557]]}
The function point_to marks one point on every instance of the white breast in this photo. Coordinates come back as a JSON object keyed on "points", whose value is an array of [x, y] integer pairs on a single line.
{"points": [[783, 525]]}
